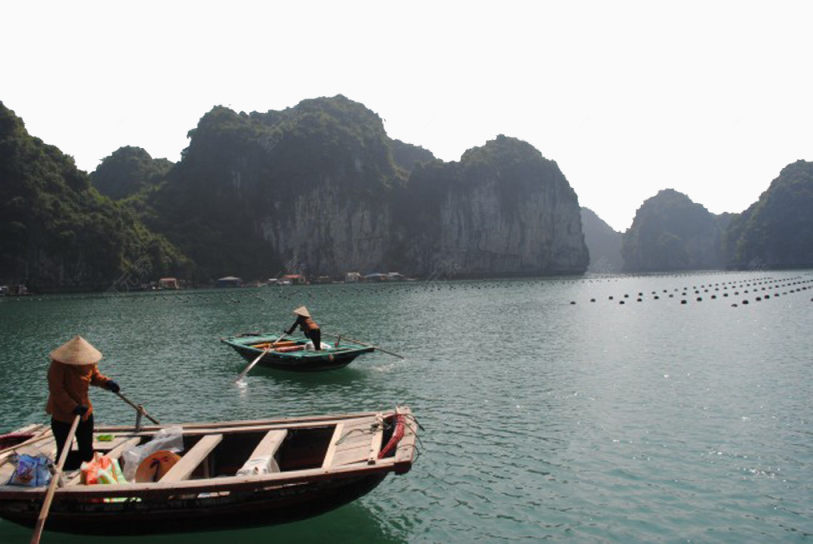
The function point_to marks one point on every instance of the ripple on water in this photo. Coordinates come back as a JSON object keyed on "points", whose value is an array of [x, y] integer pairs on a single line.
{"points": [[646, 422]]}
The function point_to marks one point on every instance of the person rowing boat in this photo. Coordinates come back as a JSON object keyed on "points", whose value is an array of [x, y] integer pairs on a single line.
{"points": [[308, 327], [73, 369]]}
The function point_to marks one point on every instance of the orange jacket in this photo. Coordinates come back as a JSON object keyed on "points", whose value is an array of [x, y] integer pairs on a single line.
{"points": [[68, 387], [306, 324]]}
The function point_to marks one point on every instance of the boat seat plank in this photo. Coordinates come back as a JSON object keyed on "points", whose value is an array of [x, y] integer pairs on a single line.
{"points": [[331, 449], [268, 447], [191, 459], [378, 437], [355, 455], [5, 472], [269, 444], [359, 423], [125, 445]]}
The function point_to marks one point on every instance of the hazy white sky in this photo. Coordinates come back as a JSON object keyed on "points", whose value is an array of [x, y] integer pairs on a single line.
{"points": [[711, 98]]}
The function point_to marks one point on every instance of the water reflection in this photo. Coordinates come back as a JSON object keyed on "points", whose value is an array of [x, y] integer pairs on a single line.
{"points": [[350, 523]]}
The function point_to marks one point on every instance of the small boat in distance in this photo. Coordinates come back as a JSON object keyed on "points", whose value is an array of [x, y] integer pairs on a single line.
{"points": [[294, 354], [310, 465]]}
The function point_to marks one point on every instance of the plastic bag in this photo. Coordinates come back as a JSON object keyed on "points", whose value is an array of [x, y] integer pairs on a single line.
{"points": [[257, 465], [309, 345], [170, 438], [102, 470], [30, 471]]}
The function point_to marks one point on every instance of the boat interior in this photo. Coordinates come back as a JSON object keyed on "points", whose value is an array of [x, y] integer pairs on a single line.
{"points": [[221, 450]]}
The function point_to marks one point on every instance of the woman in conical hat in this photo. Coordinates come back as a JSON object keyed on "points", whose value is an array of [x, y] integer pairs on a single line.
{"points": [[308, 326], [73, 369]]}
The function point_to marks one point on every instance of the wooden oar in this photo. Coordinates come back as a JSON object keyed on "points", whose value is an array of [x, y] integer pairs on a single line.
{"points": [[340, 336], [251, 364], [49, 495], [140, 409], [257, 360]]}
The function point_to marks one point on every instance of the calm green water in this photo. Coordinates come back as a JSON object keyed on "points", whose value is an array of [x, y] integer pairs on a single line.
{"points": [[651, 421]]}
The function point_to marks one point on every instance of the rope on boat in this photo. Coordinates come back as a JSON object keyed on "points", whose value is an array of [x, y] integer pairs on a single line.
{"points": [[410, 421], [402, 422], [373, 428]]}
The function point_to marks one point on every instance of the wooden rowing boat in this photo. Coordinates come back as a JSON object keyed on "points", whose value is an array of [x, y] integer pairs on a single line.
{"points": [[293, 354], [316, 464]]}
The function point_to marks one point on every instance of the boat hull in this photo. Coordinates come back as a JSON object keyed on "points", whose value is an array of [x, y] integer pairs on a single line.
{"points": [[305, 361], [287, 504]]}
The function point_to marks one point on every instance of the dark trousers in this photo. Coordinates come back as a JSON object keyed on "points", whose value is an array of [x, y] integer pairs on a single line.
{"points": [[84, 438], [315, 336]]}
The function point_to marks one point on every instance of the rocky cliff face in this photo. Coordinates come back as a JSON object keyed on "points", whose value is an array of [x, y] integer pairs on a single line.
{"points": [[320, 189], [777, 230], [503, 210], [670, 232], [302, 190], [327, 233]]}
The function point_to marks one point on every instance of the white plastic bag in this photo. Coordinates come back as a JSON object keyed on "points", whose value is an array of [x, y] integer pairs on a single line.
{"points": [[257, 465], [309, 345], [170, 438]]}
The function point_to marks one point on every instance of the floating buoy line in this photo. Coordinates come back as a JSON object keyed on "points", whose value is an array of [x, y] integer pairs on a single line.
{"points": [[761, 289]]}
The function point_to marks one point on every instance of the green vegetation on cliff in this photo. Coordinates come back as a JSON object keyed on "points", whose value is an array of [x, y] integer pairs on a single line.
{"points": [[406, 156], [777, 230], [58, 232], [502, 209], [242, 176], [670, 232], [127, 171]]}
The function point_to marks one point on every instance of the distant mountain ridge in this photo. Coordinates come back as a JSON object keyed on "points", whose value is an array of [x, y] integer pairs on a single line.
{"points": [[777, 230], [603, 243], [127, 171], [321, 189], [58, 233], [670, 232]]}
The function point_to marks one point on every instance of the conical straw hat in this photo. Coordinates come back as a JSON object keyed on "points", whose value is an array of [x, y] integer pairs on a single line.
{"points": [[302, 311], [76, 351]]}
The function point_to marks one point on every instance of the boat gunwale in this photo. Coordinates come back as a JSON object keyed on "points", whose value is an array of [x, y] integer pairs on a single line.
{"points": [[207, 485], [400, 462], [236, 424], [295, 355]]}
